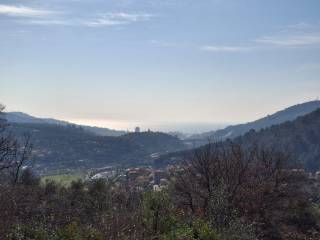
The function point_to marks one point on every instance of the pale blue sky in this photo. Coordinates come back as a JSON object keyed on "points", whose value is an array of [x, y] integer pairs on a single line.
{"points": [[155, 63]]}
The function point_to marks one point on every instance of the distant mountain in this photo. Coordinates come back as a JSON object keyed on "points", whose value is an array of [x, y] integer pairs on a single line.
{"points": [[178, 134], [20, 117], [99, 131], [300, 139], [155, 142], [287, 114], [58, 147]]}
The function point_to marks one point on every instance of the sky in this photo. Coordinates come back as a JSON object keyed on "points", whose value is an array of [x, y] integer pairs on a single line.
{"points": [[160, 64]]}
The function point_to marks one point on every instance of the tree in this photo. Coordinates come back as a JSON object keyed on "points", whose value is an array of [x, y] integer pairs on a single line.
{"points": [[158, 213], [13, 153], [229, 185]]}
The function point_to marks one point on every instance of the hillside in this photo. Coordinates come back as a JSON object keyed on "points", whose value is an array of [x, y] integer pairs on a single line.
{"points": [[155, 142], [287, 114], [65, 147], [299, 138], [20, 117]]}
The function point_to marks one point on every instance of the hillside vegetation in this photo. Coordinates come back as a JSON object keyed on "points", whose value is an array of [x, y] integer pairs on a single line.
{"points": [[300, 139], [69, 147], [20, 117], [288, 114], [225, 191]]}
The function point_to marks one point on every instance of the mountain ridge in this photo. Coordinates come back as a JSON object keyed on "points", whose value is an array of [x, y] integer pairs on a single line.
{"points": [[57, 147], [299, 139], [287, 114], [21, 117]]}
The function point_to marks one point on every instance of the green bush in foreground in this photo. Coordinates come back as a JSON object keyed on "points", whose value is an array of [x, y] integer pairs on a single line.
{"points": [[71, 231]]}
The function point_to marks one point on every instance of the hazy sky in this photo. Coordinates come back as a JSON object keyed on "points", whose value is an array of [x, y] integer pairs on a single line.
{"points": [[120, 63]]}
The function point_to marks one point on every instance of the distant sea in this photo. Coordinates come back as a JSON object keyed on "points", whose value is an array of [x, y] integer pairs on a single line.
{"points": [[189, 128]]}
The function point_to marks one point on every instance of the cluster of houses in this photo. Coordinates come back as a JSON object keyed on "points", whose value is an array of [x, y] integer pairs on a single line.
{"points": [[141, 177], [315, 176], [158, 179]]}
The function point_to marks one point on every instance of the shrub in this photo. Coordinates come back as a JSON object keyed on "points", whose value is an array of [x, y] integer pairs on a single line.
{"points": [[28, 232]]}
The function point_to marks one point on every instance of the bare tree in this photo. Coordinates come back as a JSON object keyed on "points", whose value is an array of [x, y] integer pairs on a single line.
{"points": [[13, 153], [225, 180]]}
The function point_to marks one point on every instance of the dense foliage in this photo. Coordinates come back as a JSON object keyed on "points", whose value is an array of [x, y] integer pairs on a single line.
{"points": [[220, 195], [63, 147], [226, 191], [300, 139]]}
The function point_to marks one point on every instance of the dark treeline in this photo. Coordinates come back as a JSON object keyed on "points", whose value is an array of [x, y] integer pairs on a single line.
{"points": [[225, 192], [299, 138], [221, 194], [288, 114], [69, 147]]}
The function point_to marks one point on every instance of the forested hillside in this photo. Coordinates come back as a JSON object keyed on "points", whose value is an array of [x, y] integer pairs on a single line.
{"points": [[155, 142], [300, 139], [288, 114], [62, 147], [20, 117]]}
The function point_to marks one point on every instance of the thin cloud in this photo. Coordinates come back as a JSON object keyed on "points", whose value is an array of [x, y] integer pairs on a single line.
{"points": [[270, 41], [22, 11], [101, 20], [296, 35], [122, 16], [230, 49], [294, 40], [44, 17], [301, 34], [113, 19], [50, 22]]}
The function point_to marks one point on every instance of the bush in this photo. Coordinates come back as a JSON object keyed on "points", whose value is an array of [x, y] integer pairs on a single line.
{"points": [[182, 232], [158, 212], [27, 232], [71, 231], [75, 232], [203, 231]]}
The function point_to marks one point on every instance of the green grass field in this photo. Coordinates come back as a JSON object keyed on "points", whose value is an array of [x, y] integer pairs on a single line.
{"points": [[63, 179]]}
